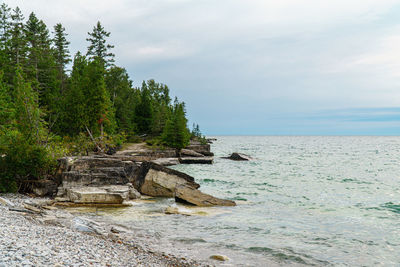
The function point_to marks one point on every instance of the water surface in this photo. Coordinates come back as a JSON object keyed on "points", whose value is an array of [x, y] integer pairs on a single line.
{"points": [[302, 200]]}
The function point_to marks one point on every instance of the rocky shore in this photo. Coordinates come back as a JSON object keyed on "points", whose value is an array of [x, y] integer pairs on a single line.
{"points": [[31, 235], [41, 232]]}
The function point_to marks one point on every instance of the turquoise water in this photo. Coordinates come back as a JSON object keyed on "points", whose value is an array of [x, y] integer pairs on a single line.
{"points": [[302, 200]]}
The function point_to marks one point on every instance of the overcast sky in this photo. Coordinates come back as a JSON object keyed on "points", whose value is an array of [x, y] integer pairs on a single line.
{"points": [[296, 67]]}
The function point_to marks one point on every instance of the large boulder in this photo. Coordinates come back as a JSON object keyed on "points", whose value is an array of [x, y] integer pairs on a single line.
{"points": [[158, 181], [238, 157], [187, 194]]}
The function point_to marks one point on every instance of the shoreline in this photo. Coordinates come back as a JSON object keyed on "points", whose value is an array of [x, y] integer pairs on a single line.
{"points": [[60, 238]]}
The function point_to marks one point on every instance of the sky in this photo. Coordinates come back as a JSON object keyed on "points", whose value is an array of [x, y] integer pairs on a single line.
{"points": [[259, 67]]}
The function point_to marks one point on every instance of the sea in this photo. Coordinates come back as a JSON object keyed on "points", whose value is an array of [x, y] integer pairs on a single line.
{"points": [[301, 200]]}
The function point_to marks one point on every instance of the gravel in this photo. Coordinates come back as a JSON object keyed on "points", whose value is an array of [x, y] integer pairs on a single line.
{"points": [[56, 238]]}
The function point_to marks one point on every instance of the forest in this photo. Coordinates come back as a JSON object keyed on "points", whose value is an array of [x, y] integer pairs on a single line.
{"points": [[53, 104]]}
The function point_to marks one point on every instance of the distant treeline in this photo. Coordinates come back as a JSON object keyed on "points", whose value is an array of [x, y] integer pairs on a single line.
{"points": [[47, 111]]}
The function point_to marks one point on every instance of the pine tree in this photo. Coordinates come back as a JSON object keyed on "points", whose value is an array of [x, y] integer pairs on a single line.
{"points": [[144, 111], [17, 46], [161, 105], [5, 25], [98, 104], [28, 114], [73, 115], [123, 97], [176, 133], [6, 108], [99, 48], [61, 53], [40, 67]]}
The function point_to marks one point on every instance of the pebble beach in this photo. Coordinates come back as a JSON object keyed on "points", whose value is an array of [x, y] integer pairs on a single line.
{"points": [[58, 238]]}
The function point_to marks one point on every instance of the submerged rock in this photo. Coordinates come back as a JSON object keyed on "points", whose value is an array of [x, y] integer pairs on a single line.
{"points": [[238, 157], [187, 194]]}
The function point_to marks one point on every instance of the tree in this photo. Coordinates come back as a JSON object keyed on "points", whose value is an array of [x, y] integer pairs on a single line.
{"points": [[40, 67], [99, 48], [123, 97], [17, 46], [87, 105], [176, 134], [61, 52], [28, 114], [161, 105], [73, 115], [98, 104], [6, 108], [5, 24], [144, 111]]}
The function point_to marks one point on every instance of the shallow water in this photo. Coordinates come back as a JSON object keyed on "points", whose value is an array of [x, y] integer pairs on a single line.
{"points": [[302, 200]]}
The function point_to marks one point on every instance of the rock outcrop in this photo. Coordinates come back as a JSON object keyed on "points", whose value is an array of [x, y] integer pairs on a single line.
{"points": [[204, 149], [158, 181], [238, 157], [96, 179], [112, 179]]}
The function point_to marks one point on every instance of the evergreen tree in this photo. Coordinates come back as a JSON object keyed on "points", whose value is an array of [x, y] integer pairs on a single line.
{"points": [[28, 114], [6, 108], [144, 111], [5, 25], [17, 46], [123, 97], [176, 133], [161, 105], [73, 115], [61, 53], [98, 104], [40, 67], [99, 48]]}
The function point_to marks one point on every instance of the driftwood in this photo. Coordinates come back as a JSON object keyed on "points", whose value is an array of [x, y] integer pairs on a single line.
{"points": [[21, 210]]}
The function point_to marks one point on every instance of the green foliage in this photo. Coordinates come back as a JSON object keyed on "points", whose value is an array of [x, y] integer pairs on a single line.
{"points": [[123, 97], [7, 112], [98, 48], [22, 162], [27, 112], [176, 134], [47, 112], [144, 111]]}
